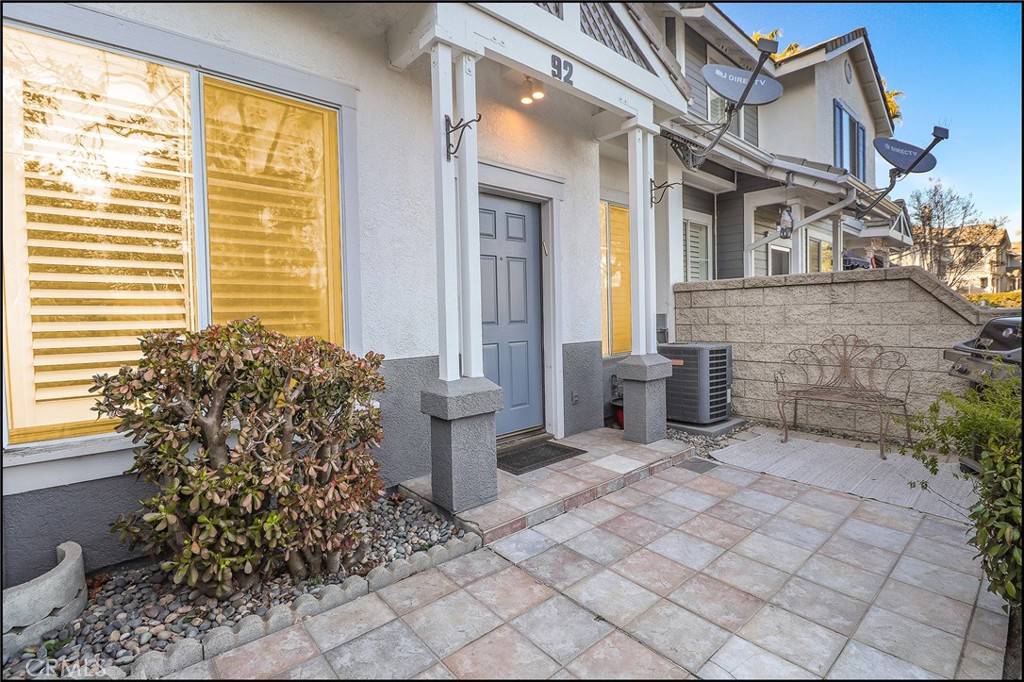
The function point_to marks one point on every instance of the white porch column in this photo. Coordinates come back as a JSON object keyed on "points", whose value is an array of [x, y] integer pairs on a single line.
{"points": [[445, 216], [641, 284], [469, 218], [644, 372], [669, 226], [798, 251], [837, 242]]}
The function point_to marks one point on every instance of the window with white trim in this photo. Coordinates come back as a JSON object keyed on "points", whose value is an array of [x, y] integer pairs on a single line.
{"points": [[849, 140], [717, 103], [140, 195], [697, 246]]}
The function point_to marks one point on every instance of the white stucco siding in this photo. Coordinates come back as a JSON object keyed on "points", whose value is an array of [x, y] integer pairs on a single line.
{"points": [[790, 124], [831, 84], [346, 43]]}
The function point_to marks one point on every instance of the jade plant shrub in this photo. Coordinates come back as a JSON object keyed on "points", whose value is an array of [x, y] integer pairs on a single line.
{"points": [[986, 422], [260, 444]]}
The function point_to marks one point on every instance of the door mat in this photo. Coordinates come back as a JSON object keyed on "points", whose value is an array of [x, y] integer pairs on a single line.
{"points": [[523, 459]]}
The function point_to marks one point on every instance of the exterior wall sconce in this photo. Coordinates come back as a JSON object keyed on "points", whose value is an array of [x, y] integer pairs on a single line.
{"points": [[526, 92], [786, 221]]}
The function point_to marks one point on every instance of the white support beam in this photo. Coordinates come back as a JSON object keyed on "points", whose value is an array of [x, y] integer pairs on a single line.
{"points": [[469, 218], [798, 252], [445, 216], [639, 205], [837, 243], [650, 271], [410, 36]]}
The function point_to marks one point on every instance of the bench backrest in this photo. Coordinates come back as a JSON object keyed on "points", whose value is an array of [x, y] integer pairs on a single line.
{"points": [[851, 362]]}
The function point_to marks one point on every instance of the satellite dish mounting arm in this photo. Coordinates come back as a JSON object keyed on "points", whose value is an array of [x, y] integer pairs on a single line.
{"points": [[896, 174], [693, 158]]}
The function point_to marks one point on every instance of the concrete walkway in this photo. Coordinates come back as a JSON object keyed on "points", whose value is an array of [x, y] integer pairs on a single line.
{"points": [[699, 570]]}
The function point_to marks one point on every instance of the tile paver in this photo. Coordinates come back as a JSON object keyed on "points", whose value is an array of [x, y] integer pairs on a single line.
{"points": [[560, 567], [617, 657], [772, 551], [716, 601], [794, 638], [660, 627], [819, 604], [348, 621], [652, 571], [451, 622], [602, 546], [417, 590], [777, 579], [740, 659], [561, 629], [509, 592], [503, 653], [522, 545], [269, 656], [862, 662], [612, 597], [472, 566], [914, 642], [392, 651]]}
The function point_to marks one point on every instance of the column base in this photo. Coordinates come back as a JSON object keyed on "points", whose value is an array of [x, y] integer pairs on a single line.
{"points": [[643, 396], [463, 442]]}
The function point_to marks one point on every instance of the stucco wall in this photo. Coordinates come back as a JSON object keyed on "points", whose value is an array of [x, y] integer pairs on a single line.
{"points": [[902, 309], [794, 111]]}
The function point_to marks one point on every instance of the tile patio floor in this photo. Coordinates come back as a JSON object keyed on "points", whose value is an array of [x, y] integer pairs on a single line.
{"points": [[724, 573]]}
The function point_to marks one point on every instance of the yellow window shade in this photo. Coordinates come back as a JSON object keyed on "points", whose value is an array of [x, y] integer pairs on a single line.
{"points": [[97, 223], [619, 280], [272, 178], [616, 299]]}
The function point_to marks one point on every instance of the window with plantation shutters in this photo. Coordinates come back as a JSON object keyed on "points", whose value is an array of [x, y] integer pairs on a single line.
{"points": [[102, 218], [97, 222], [698, 251]]}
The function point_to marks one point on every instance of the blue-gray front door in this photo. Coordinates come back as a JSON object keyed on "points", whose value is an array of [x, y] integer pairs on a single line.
{"points": [[511, 309]]}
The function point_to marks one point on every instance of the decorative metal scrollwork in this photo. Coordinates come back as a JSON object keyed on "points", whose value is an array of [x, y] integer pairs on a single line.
{"points": [[461, 126]]}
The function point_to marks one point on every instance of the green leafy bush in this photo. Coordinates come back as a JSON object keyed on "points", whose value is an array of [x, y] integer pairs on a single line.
{"points": [[986, 423], [260, 444]]}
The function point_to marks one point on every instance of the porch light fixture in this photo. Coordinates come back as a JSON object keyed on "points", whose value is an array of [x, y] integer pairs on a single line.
{"points": [[786, 223], [526, 94], [538, 89]]}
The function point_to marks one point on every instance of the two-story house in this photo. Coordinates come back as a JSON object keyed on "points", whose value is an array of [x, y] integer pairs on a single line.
{"points": [[467, 189]]}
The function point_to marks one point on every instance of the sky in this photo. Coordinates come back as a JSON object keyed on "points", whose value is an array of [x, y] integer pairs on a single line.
{"points": [[959, 65]]}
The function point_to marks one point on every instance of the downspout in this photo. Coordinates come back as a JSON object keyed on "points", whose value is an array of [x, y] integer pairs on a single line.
{"points": [[714, 238]]}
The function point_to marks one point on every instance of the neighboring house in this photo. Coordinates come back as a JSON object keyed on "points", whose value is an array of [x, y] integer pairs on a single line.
{"points": [[973, 259], [172, 166]]}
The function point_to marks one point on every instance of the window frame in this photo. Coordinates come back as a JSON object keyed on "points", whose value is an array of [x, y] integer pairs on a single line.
{"points": [[725, 61], [201, 59], [848, 133], [705, 219], [774, 248]]}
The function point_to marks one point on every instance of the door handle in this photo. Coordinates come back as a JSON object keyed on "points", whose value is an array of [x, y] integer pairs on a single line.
{"points": [[544, 244]]}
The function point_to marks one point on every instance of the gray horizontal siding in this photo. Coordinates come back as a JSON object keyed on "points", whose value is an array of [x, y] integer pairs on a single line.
{"points": [[698, 200], [729, 225], [696, 58], [750, 125]]}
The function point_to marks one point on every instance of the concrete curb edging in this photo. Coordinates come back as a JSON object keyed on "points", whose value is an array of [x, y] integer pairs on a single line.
{"points": [[47, 602], [189, 651]]}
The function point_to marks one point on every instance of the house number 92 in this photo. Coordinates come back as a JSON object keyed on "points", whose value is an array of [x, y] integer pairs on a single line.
{"points": [[561, 69]]}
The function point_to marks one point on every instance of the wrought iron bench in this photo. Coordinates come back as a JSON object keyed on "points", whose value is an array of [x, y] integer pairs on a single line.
{"points": [[845, 370]]}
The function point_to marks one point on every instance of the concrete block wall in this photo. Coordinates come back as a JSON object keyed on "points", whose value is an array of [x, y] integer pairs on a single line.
{"points": [[903, 309]]}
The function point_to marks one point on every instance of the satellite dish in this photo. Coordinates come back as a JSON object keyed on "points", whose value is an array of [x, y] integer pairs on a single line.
{"points": [[903, 155], [730, 82]]}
